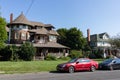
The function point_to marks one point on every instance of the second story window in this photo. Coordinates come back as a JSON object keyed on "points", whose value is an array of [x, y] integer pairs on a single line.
{"points": [[41, 39], [16, 35], [23, 36], [52, 38], [24, 27]]}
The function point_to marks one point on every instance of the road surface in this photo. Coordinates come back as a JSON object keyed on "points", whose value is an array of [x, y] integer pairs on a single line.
{"points": [[97, 75]]}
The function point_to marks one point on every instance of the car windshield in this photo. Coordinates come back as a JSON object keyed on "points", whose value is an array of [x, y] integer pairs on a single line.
{"points": [[108, 61], [72, 60]]}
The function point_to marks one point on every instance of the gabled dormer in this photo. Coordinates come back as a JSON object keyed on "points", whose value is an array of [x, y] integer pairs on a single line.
{"points": [[104, 36], [49, 26]]}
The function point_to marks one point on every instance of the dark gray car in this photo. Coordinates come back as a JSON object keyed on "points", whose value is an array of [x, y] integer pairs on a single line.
{"points": [[110, 64]]}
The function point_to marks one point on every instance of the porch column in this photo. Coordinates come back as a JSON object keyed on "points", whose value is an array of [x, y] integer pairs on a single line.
{"points": [[44, 52], [63, 52], [104, 54]]}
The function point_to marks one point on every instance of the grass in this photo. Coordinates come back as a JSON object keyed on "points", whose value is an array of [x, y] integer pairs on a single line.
{"points": [[8, 67], [28, 66]]}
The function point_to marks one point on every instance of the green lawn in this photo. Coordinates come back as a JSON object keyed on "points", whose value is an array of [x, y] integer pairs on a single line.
{"points": [[30, 66]]}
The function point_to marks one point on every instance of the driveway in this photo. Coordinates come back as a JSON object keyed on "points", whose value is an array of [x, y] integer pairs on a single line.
{"points": [[97, 75]]}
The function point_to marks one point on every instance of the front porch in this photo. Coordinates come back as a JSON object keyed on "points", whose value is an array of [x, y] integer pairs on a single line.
{"points": [[41, 53], [50, 48]]}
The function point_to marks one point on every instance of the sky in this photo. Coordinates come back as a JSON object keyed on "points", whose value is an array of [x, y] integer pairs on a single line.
{"points": [[97, 15]]}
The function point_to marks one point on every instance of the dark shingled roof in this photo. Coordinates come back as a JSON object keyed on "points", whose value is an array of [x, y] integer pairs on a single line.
{"points": [[53, 32], [95, 37], [36, 23], [44, 31], [49, 25], [21, 19], [39, 31], [51, 45], [46, 45], [101, 35]]}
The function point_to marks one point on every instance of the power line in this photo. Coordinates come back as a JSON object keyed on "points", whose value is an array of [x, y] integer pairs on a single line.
{"points": [[29, 7]]}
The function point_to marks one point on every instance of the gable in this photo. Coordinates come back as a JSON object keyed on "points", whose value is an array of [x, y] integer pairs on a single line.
{"points": [[104, 36]]}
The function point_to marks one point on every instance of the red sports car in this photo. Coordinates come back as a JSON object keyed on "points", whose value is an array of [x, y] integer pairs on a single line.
{"points": [[78, 64]]}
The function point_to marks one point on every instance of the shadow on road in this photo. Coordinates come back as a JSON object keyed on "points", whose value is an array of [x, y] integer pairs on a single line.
{"points": [[63, 72], [59, 72]]}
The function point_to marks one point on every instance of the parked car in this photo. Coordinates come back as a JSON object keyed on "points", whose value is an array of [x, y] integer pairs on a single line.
{"points": [[78, 64], [110, 64]]}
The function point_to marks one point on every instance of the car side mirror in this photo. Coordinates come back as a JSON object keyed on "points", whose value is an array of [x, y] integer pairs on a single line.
{"points": [[77, 62]]}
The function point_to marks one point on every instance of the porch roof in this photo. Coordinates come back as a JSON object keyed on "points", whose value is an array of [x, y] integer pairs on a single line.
{"points": [[46, 45], [50, 45]]}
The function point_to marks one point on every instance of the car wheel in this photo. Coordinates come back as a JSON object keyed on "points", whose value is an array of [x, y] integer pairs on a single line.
{"points": [[71, 69], [92, 69]]}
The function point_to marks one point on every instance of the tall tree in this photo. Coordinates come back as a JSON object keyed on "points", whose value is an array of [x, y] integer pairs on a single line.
{"points": [[62, 38], [3, 32], [75, 39], [115, 41], [72, 38]]}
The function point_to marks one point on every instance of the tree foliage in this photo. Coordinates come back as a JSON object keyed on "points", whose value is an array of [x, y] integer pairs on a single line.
{"points": [[75, 54], [5, 54], [14, 53], [3, 32], [9, 53], [72, 38], [115, 41], [63, 36]]}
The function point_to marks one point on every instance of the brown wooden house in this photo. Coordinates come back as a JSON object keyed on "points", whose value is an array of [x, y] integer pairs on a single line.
{"points": [[43, 36]]}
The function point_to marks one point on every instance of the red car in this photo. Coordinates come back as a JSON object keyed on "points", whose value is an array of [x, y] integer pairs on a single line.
{"points": [[78, 64]]}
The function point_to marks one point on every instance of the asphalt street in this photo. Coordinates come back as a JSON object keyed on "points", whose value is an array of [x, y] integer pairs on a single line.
{"points": [[97, 75]]}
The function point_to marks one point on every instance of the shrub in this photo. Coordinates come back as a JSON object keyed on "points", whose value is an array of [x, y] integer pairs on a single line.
{"points": [[14, 53], [86, 53], [64, 58], [50, 57], [92, 56], [27, 51], [9, 53], [96, 54], [5, 54], [76, 54]]}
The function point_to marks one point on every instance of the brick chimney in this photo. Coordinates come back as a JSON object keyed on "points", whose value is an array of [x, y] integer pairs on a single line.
{"points": [[11, 17], [88, 35]]}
